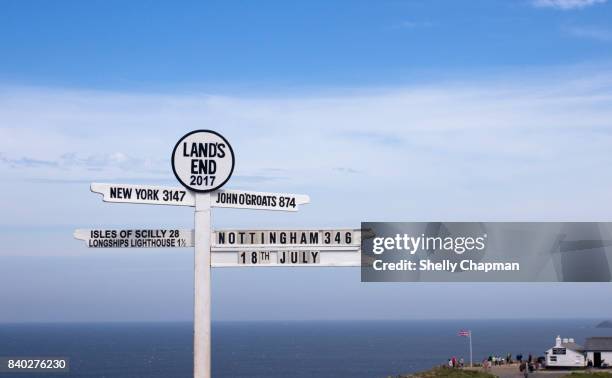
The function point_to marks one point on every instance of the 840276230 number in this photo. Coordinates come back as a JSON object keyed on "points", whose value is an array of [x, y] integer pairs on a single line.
{"points": [[33, 364]]}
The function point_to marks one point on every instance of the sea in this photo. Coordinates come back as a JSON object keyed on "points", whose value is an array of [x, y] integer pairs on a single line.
{"points": [[356, 349]]}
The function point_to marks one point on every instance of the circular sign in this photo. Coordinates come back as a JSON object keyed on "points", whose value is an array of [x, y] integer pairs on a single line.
{"points": [[203, 161]]}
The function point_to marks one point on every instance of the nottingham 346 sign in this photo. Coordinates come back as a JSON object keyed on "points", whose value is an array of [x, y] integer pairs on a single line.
{"points": [[203, 162]]}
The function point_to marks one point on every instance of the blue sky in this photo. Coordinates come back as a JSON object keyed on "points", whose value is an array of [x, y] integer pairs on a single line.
{"points": [[387, 110], [213, 44]]}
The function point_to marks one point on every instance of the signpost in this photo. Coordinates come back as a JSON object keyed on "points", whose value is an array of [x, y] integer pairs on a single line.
{"points": [[203, 161]]}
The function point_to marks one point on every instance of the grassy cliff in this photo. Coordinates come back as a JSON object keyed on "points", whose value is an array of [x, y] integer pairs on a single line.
{"points": [[444, 372], [585, 374]]}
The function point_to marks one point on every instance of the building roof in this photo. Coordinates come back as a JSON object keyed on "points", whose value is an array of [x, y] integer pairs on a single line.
{"points": [[573, 346], [599, 343]]}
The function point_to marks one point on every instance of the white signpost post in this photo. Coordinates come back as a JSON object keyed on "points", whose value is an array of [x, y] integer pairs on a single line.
{"points": [[203, 161]]}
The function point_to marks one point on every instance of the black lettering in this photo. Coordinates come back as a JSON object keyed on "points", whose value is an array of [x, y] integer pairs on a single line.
{"points": [[118, 192], [314, 238], [205, 150], [206, 167], [315, 255], [221, 148]]}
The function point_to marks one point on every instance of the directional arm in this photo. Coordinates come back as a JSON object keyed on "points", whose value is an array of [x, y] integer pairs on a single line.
{"points": [[176, 196], [144, 194]]}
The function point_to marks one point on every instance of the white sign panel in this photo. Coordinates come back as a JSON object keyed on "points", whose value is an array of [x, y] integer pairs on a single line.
{"points": [[295, 248], [145, 194], [300, 239], [203, 161], [258, 200], [136, 238], [288, 257], [162, 195]]}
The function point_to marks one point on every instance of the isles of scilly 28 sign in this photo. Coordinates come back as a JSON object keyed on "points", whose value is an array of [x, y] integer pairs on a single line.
{"points": [[203, 161]]}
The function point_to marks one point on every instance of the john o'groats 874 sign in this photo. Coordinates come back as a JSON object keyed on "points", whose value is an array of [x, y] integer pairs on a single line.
{"points": [[203, 161]]}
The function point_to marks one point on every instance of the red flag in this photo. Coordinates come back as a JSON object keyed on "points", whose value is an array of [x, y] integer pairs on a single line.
{"points": [[464, 332]]}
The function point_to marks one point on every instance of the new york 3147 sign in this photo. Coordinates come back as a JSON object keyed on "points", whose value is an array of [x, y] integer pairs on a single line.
{"points": [[203, 160]]}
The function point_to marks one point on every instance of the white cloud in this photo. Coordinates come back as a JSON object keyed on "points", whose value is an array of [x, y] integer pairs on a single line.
{"points": [[531, 146], [566, 4], [438, 151]]}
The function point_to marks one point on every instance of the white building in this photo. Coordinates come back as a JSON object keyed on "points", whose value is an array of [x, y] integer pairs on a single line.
{"points": [[566, 353], [599, 351]]}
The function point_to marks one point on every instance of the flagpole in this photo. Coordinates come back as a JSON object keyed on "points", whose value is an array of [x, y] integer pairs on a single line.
{"points": [[471, 365]]}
